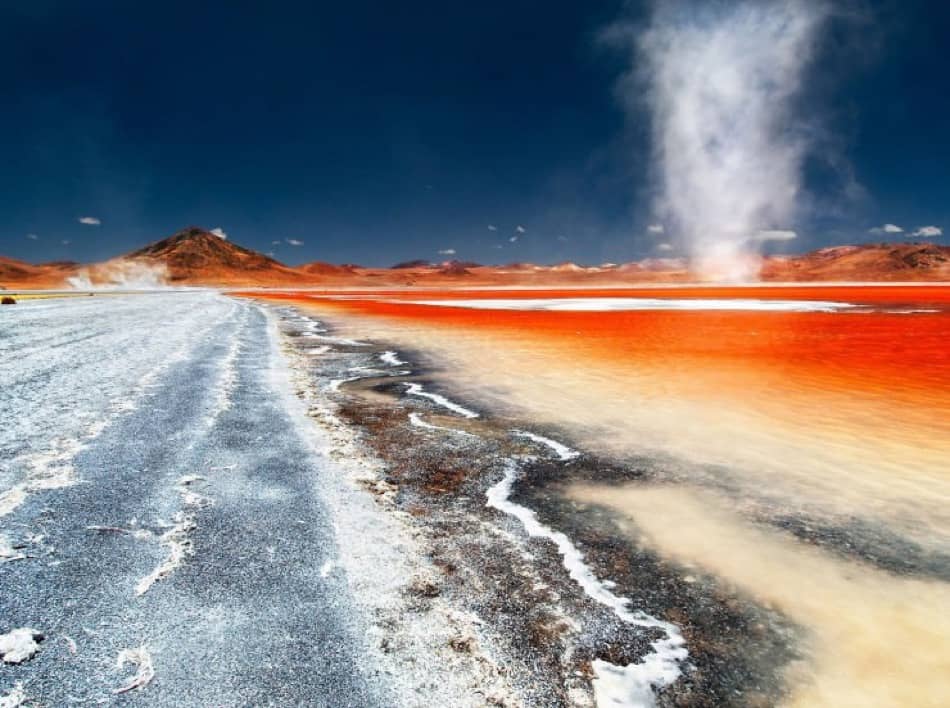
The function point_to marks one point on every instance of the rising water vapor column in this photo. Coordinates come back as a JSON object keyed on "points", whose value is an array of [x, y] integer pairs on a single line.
{"points": [[721, 81]]}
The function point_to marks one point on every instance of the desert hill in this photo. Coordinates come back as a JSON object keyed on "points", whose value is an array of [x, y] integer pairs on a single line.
{"points": [[874, 262], [321, 268], [194, 256], [16, 273], [197, 257]]}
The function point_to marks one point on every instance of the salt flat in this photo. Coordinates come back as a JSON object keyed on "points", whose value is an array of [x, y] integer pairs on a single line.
{"points": [[156, 496]]}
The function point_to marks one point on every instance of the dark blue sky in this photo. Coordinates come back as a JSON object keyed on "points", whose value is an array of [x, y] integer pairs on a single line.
{"points": [[375, 132]]}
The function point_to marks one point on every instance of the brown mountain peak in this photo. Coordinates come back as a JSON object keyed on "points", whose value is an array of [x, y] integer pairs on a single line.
{"points": [[196, 255], [195, 249]]}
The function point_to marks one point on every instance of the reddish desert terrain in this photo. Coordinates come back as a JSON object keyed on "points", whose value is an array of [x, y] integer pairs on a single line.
{"points": [[19, 274], [196, 257]]}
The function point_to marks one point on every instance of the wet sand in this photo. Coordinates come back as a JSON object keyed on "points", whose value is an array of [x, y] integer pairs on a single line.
{"points": [[805, 445]]}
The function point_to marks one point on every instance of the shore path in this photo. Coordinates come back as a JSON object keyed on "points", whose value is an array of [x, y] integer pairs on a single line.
{"points": [[160, 516]]}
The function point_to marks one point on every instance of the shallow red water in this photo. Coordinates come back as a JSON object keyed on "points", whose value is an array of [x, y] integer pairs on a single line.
{"points": [[900, 355]]}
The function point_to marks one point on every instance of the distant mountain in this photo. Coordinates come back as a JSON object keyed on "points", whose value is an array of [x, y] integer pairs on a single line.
{"points": [[14, 273], [195, 256], [456, 268], [198, 257], [327, 269], [867, 262], [11, 269], [408, 265]]}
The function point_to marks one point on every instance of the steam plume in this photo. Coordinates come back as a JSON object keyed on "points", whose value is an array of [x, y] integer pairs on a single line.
{"points": [[121, 275], [721, 82]]}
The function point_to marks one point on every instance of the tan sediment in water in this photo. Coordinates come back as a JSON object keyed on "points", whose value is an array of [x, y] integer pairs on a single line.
{"points": [[875, 639]]}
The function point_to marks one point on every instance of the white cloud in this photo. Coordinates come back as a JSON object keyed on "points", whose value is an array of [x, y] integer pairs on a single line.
{"points": [[520, 229], [656, 228], [219, 232], [65, 242], [294, 242], [513, 239], [928, 231], [447, 252], [664, 246], [275, 243], [887, 229], [775, 235], [89, 220], [33, 237], [492, 227], [562, 239]]}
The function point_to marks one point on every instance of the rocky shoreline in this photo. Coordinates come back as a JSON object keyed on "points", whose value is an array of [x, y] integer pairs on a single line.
{"points": [[440, 458]]}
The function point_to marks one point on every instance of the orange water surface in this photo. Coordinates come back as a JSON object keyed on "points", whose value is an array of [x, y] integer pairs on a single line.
{"points": [[905, 356], [848, 410]]}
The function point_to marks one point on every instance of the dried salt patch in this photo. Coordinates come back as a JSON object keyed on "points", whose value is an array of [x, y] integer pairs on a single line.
{"points": [[11, 499], [326, 568], [61, 477], [179, 546], [632, 686], [392, 359], [225, 386], [176, 538], [608, 304], [7, 551], [414, 389], [143, 660], [624, 686], [563, 452], [19, 645], [15, 698], [121, 406], [416, 420], [70, 644], [190, 498]]}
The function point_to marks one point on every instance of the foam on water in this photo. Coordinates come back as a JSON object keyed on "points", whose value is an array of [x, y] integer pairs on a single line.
{"points": [[391, 358], [563, 452], [416, 420], [620, 686], [415, 389]]}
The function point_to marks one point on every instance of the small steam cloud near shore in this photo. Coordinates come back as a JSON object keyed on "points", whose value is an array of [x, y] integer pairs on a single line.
{"points": [[720, 83], [121, 275]]}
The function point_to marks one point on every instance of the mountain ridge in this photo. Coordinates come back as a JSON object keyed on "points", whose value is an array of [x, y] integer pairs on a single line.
{"points": [[197, 257]]}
